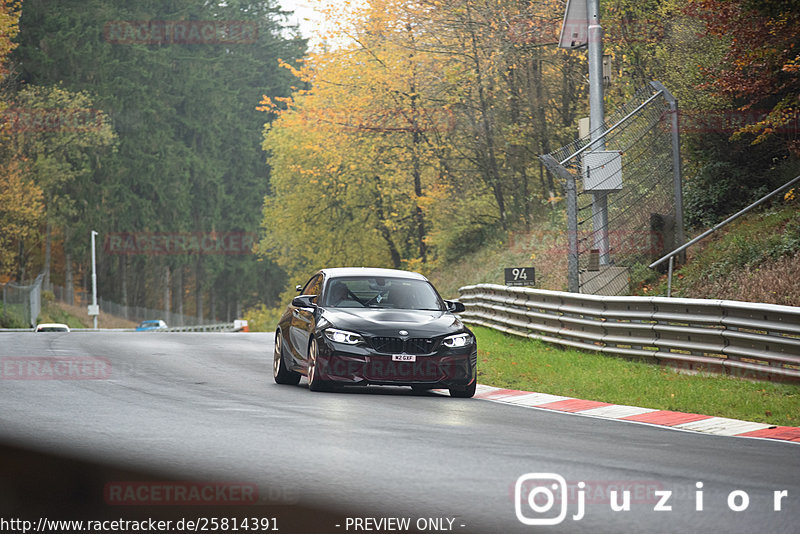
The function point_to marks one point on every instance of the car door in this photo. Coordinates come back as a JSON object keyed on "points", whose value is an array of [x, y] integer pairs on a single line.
{"points": [[302, 322]]}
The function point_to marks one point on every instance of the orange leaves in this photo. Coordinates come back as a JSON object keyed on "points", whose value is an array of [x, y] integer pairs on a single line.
{"points": [[266, 104], [297, 72], [792, 66], [761, 62]]}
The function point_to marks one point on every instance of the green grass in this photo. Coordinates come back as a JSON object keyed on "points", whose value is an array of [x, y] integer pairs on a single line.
{"points": [[12, 316], [525, 364], [755, 240], [53, 314]]}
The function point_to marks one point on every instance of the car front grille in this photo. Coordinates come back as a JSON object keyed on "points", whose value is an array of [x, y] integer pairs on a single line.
{"points": [[396, 345], [419, 346]]}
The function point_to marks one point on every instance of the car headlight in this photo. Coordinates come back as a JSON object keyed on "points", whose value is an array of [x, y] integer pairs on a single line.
{"points": [[457, 340], [343, 336]]}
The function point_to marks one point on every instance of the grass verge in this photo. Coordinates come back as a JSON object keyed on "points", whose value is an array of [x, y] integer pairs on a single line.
{"points": [[525, 364]]}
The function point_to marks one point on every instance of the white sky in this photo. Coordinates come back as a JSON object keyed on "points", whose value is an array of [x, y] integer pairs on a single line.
{"points": [[304, 15], [308, 19]]}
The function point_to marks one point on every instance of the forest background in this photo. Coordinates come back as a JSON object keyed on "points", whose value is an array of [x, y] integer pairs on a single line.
{"points": [[410, 141]]}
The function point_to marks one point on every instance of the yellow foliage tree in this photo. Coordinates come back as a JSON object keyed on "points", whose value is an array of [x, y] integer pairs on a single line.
{"points": [[21, 213], [415, 138]]}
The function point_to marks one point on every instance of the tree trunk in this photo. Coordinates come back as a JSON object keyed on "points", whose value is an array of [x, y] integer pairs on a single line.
{"points": [[69, 284], [47, 254], [21, 262], [123, 268], [198, 290], [212, 304], [548, 189], [492, 172], [179, 294], [386, 234], [167, 292], [416, 139]]}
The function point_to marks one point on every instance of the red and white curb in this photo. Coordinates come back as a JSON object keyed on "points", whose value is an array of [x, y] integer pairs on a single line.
{"points": [[707, 424]]}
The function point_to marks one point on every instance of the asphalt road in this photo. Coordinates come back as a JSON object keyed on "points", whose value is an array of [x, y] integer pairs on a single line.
{"points": [[158, 407]]}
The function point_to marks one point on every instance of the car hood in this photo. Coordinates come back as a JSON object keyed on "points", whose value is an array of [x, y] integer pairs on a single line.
{"points": [[388, 323]]}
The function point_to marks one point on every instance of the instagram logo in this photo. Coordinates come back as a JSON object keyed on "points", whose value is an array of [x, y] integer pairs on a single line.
{"points": [[540, 491]]}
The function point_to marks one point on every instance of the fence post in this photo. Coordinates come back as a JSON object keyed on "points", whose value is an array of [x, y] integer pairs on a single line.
{"points": [[36, 299], [680, 237], [573, 283]]}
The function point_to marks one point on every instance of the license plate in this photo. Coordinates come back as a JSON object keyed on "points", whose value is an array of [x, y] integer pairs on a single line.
{"points": [[404, 358]]}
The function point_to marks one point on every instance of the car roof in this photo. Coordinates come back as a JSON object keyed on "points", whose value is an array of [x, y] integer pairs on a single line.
{"points": [[51, 325], [342, 272]]}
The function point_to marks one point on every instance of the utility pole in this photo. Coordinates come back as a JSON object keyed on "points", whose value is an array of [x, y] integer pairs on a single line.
{"points": [[94, 310], [596, 121]]}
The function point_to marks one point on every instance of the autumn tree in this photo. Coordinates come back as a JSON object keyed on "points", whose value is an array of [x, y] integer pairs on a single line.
{"points": [[57, 135], [21, 212], [188, 155], [9, 27], [761, 67]]}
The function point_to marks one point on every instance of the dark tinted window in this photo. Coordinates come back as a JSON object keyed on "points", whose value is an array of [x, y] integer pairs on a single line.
{"points": [[314, 286], [378, 292]]}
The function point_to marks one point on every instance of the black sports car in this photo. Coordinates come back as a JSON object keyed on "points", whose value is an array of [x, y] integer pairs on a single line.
{"points": [[359, 326]]}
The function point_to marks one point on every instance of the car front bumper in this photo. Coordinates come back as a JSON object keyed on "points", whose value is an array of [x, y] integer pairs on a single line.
{"points": [[346, 365]]}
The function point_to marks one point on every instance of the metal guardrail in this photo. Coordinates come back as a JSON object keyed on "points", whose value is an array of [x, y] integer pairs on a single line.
{"points": [[221, 327], [748, 340]]}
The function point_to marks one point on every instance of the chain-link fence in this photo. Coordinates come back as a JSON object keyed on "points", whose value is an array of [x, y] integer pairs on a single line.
{"points": [[22, 303], [131, 313], [623, 193], [140, 313]]}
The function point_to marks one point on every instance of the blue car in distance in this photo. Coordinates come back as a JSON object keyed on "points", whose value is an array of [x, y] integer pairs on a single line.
{"points": [[154, 324]]}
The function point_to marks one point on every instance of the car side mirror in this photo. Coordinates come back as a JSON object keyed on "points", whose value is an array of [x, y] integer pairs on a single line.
{"points": [[298, 288], [454, 306], [304, 301]]}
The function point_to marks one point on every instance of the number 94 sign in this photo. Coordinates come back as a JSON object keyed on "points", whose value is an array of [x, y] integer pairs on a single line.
{"points": [[520, 276]]}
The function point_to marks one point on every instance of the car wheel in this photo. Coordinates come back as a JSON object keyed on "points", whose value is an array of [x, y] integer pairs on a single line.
{"points": [[281, 374], [314, 382], [464, 392]]}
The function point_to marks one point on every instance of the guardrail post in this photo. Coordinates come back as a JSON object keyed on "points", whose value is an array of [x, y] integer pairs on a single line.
{"points": [[669, 276]]}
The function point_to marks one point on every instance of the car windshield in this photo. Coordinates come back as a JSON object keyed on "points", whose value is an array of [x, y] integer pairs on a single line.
{"points": [[377, 292]]}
